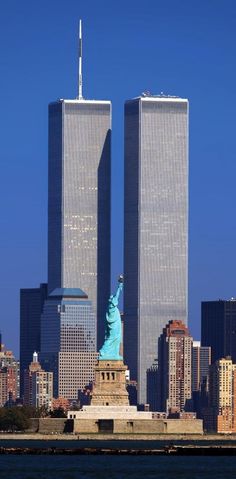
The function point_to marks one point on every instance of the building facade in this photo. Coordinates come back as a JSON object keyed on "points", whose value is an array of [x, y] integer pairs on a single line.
{"points": [[33, 368], [38, 385], [156, 226], [174, 391], [152, 386], [31, 306], [218, 328], [9, 381], [79, 199], [220, 416], [8, 386], [201, 360], [42, 389], [68, 341]]}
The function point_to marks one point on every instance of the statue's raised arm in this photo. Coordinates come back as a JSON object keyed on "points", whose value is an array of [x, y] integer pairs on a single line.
{"points": [[119, 289], [111, 347]]}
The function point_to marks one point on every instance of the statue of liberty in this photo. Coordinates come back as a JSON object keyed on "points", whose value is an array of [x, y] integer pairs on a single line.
{"points": [[113, 333]]}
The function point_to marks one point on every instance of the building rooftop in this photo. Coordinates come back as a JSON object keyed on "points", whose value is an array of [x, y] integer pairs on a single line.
{"points": [[83, 100], [146, 95], [68, 293]]}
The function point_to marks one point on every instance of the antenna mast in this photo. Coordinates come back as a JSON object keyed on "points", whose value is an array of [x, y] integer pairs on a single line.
{"points": [[80, 97]]}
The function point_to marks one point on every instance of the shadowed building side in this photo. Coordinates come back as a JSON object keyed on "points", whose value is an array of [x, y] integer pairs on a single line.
{"points": [[218, 328], [31, 307]]}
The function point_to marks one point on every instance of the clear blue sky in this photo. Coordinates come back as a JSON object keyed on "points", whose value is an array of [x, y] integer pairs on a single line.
{"points": [[180, 47]]}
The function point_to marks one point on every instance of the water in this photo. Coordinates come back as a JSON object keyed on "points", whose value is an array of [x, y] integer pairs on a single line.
{"points": [[114, 467], [115, 444]]}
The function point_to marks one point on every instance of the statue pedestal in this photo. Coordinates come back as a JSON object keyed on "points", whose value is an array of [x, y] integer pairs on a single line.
{"points": [[109, 388]]}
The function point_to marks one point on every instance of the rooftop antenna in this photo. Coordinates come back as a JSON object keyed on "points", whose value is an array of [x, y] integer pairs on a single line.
{"points": [[80, 96]]}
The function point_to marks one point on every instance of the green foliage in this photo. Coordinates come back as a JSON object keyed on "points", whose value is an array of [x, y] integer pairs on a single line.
{"points": [[13, 419], [32, 412], [58, 413]]}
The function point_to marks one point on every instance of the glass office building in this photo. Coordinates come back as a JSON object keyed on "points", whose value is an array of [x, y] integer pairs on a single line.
{"points": [[156, 226], [79, 199], [68, 340], [218, 328]]}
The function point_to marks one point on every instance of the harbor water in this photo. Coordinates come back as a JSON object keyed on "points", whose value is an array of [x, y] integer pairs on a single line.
{"points": [[111, 466]]}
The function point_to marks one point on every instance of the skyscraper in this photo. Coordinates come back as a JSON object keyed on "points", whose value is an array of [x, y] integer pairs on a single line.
{"points": [[218, 328], [79, 198], [156, 226], [79, 181], [201, 360], [31, 306], [38, 385], [9, 378], [68, 346], [174, 389], [220, 416]]}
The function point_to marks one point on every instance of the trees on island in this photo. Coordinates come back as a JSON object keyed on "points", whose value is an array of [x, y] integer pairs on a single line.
{"points": [[13, 419], [17, 418]]}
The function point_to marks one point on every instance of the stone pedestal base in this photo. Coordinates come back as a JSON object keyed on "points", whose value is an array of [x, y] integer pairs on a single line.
{"points": [[110, 384], [128, 413]]}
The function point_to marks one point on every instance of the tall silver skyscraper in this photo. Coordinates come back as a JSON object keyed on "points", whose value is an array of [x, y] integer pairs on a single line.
{"points": [[156, 226], [79, 198]]}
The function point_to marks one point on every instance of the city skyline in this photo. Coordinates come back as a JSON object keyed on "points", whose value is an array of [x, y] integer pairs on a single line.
{"points": [[193, 59]]}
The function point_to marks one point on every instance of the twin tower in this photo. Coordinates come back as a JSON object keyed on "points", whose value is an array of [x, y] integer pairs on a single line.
{"points": [[155, 215]]}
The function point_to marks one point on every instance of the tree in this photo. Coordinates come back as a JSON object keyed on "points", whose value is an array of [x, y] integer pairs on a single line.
{"points": [[58, 413], [13, 419]]}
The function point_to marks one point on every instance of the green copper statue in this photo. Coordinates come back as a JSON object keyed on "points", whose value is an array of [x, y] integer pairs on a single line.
{"points": [[111, 346]]}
